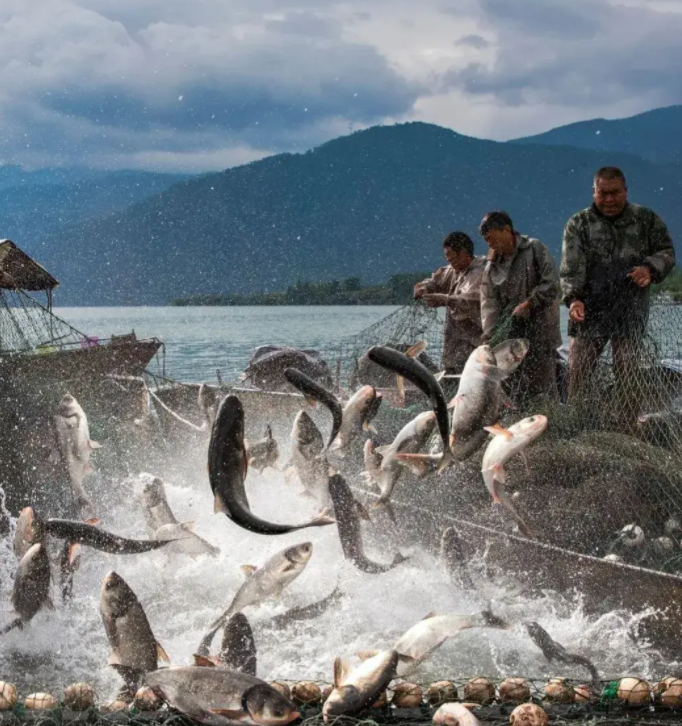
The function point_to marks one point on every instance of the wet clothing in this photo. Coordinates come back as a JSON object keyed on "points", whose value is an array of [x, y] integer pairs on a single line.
{"points": [[598, 253], [462, 331], [528, 274]]}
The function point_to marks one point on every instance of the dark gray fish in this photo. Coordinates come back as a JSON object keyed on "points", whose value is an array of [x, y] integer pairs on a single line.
{"points": [[266, 368], [227, 469], [452, 557], [31, 587], [100, 539], [69, 562], [424, 380], [554, 651], [263, 453], [238, 649], [307, 612], [311, 389], [347, 512]]}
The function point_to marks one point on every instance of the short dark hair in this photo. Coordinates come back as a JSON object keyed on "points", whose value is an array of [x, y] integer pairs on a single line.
{"points": [[498, 219], [610, 173], [459, 242]]}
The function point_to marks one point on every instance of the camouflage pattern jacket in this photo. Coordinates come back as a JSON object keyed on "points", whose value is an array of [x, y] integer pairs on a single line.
{"points": [[463, 315], [598, 253], [529, 274]]}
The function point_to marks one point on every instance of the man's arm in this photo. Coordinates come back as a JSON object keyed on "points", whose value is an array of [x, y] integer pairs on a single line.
{"points": [[661, 259], [431, 284], [573, 270], [490, 308], [547, 289]]}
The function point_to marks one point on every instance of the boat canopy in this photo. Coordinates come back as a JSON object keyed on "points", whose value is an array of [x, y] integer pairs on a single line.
{"points": [[19, 271]]}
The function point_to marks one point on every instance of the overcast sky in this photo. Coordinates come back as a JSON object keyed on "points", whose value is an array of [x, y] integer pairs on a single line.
{"points": [[206, 84]]}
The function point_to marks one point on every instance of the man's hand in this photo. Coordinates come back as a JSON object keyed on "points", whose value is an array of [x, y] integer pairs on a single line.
{"points": [[522, 310], [641, 276], [436, 299], [577, 311], [418, 292]]}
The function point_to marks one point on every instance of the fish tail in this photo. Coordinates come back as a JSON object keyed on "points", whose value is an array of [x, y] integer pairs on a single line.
{"points": [[322, 520], [204, 648], [16, 623], [446, 460]]}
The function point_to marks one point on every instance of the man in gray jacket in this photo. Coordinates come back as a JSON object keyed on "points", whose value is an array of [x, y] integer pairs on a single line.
{"points": [[457, 288], [520, 299], [612, 252]]}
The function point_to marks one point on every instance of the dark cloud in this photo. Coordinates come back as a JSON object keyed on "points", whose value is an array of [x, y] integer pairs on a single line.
{"points": [[478, 42], [546, 17]]}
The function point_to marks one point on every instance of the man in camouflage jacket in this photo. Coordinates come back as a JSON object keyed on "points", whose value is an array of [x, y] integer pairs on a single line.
{"points": [[612, 252]]}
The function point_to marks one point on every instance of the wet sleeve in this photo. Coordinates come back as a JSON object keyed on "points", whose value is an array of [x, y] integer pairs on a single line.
{"points": [[435, 283], [661, 259], [547, 289], [490, 307], [573, 270]]}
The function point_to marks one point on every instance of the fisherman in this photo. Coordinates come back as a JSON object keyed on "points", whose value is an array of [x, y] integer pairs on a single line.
{"points": [[520, 299], [457, 288], [612, 252]]}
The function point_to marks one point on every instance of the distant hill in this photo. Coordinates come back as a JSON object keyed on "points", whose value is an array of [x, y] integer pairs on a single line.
{"points": [[39, 204], [654, 135], [368, 205]]}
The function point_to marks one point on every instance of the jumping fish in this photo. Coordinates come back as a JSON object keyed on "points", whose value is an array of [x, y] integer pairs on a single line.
{"points": [[30, 530], [307, 612], [554, 651], [307, 447], [357, 688], [452, 557], [411, 438], [357, 415], [416, 373], [75, 446], [227, 467], [264, 452], [506, 444], [208, 401], [238, 648], [69, 562], [162, 524], [99, 539], [269, 581], [31, 587], [372, 462], [134, 649], [221, 697], [313, 390], [348, 512]]}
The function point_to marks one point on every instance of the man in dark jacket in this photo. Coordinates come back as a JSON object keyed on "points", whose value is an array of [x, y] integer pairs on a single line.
{"points": [[520, 295], [457, 288], [612, 252]]}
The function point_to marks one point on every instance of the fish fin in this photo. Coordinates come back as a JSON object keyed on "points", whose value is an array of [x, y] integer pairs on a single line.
{"points": [[524, 457], [341, 669], [446, 460], [114, 659], [400, 386], [311, 402], [219, 505], [161, 654], [94, 444], [500, 474], [498, 430], [187, 526], [229, 713], [48, 604], [362, 511], [74, 555], [439, 376], [367, 426], [419, 463], [417, 349], [454, 401], [93, 521], [206, 661], [382, 450], [366, 654], [248, 570], [432, 614]]}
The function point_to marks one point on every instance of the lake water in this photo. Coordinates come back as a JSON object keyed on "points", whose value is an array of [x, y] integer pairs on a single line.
{"points": [[199, 340]]}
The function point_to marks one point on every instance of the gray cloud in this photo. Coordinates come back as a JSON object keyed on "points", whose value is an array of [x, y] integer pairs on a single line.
{"points": [[478, 42]]}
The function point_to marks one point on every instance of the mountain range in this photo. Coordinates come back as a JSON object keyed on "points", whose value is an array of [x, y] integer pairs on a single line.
{"points": [[371, 204]]}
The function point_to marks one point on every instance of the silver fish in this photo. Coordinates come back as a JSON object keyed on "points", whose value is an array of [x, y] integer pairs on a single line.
{"points": [[311, 466], [263, 453], [134, 649], [221, 697], [505, 444], [267, 582], [357, 688], [208, 401], [357, 414], [372, 461], [452, 557], [30, 530], [162, 524], [31, 587], [75, 447]]}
